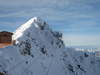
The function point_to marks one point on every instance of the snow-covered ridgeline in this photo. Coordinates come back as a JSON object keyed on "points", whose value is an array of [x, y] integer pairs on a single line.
{"points": [[39, 52]]}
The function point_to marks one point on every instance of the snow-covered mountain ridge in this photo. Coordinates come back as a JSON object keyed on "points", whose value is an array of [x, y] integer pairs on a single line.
{"points": [[38, 52]]}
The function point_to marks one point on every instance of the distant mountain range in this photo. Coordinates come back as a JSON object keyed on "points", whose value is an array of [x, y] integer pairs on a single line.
{"points": [[86, 47]]}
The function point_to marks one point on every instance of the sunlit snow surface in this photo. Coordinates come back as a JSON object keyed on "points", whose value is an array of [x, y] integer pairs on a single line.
{"points": [[39, 52]]}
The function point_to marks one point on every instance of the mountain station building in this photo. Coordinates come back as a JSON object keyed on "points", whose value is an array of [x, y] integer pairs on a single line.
{"points": [[5, 38]]}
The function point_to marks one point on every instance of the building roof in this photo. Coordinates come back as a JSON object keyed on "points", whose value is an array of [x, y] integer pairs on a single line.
{"points": [[2, 32]]}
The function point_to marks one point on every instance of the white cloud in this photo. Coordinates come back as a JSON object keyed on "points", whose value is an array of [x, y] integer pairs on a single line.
{"points": [[88, 1], [78, 40], [15, 14], [33, 2], [53, 9], [83, 29], [74, 13], [83, 24], [5, 23], [10, 25]]}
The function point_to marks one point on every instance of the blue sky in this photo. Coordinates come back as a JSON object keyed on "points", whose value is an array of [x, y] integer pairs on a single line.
{"points": [[79, 20]]}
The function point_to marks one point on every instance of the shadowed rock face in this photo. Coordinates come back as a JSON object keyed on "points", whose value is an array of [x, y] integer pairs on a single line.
{"points": [[1, 74]]}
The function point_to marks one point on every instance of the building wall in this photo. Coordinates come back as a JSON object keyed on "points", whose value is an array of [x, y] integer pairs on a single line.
{"points": [[5, 40], [5, 44]]}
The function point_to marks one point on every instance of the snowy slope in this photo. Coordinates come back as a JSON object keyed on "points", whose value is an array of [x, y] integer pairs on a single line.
{"points": [[39, 52]]}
